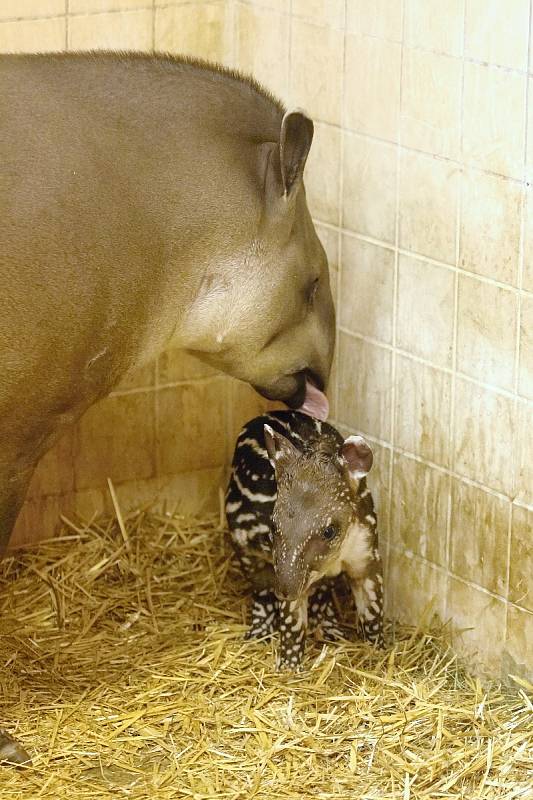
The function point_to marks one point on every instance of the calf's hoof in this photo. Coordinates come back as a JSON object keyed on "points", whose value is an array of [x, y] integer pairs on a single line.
{"points": [[11, 752]]}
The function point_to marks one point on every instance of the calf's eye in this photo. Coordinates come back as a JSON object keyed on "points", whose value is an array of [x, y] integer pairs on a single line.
{"points": [[329, 533]]}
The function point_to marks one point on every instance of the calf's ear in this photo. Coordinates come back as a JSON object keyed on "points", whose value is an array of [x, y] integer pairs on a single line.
{"points": [[356, 455], [280, 450]]}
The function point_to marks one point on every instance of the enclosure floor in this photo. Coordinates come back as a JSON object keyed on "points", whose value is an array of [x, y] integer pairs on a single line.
{"points": [[125, 673]]}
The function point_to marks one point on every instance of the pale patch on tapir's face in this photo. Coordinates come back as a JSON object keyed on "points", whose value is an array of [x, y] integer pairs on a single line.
{"points": [[283, 310]]}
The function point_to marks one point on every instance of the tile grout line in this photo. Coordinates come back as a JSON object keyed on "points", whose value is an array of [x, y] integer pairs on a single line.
{"points": [[455, 332], [437, 467], [430, 260], [396, 267], [412, 555], [473, 167], [340, 211], [498, 390], [520, 277]]}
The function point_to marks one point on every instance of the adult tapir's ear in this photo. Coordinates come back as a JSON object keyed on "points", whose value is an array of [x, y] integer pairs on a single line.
{"points": [[294, 144], [356, 455], [279, 449]]}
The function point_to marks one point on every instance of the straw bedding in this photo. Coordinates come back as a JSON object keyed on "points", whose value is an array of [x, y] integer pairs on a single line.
{"points": [[125, 674]]}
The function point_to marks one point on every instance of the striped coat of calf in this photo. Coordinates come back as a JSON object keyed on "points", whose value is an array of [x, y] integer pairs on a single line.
{"points": [[300, 514]]}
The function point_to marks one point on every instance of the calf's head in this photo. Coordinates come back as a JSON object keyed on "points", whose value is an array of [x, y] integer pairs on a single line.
{"points": [[315, 506], [270, 319]]}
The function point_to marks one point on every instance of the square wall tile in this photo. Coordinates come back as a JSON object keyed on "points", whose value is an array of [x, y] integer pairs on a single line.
{"points": [[485, 424], [433, 25], [380, 18], [17, 9], [425, 310], [244, 405], [282, 6], [39, 519], [494, 119], [527, 277], [262, 46], [529, 148], [177, 365], [420, 509], [367, 287], [490, 226], [369, 187], [126, 30], [525, 375], [372, 86], [55, 471], [479, 537], [139, 378], [518, 657], [192, 492], [322, 174], [364, 386], [524, 452], [191, 429], [496, 31], [521, 562], [428, 206], [329, 237], [422, 413], [316, 70], [33, 36], [478, 624], [116, 439], [486, 332], [378, 482], [415, 590], [321, 12], [192, 30], [431, 103], [88, 6]]}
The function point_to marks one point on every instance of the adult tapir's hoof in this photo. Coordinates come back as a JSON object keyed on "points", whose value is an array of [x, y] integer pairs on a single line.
{"points": [[11, 752]]}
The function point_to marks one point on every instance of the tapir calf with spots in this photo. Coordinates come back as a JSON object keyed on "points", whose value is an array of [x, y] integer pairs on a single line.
{"points": [[300, 514]]}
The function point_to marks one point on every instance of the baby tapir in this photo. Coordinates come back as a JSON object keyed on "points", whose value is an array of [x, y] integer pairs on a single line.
{"points": [[299, 514]]}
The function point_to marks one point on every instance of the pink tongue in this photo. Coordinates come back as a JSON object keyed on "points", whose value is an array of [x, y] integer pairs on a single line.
{"points": [[316, 403]]}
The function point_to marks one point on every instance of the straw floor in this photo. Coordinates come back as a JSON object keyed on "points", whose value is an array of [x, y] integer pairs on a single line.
{"points": [[125, 674]]}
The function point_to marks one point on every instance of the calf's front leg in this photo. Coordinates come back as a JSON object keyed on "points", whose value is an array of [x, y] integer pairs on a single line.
{"points": [[292, 631]]}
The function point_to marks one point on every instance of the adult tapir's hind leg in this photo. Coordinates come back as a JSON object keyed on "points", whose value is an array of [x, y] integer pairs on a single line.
{"points": [[15, 475], [14, 481]]}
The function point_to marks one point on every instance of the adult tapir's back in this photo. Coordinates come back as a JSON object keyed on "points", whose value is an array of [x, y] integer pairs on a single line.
{"points": [[147, 201]]}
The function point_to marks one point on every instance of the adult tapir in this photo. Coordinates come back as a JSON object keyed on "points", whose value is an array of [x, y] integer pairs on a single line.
{"points": [[147, 201]]}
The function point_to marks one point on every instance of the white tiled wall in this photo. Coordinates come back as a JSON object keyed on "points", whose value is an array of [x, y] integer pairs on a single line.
{"points": [[419, 182]]}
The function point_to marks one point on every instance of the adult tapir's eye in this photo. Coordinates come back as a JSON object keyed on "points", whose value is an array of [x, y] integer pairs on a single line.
{"points": [[330, 532]]}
